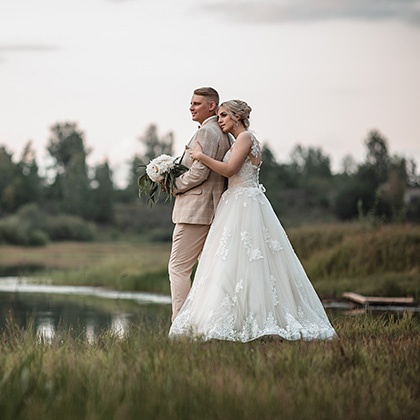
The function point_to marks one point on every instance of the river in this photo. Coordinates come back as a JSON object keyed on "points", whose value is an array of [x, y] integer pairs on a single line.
{"points": [[89, 311]]}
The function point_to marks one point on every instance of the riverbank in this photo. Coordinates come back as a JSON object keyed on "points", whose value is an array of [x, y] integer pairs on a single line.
{"points": [[378, 261], [371, 372], [117, 265]]}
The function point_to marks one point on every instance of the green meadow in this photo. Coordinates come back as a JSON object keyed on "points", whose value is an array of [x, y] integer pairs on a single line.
{"points": [[371, 372]]}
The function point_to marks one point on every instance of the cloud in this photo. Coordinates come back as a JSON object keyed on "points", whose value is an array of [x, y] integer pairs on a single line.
{"points": [[281, 11], [18, 48], [25, 48]]}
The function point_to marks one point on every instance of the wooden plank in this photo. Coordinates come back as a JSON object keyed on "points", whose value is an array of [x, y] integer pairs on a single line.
{"points": [[389, 300], [355, 297], [377, 300]]}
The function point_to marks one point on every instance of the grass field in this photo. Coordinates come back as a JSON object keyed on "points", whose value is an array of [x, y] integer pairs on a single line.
{"points": [[372, 372]]}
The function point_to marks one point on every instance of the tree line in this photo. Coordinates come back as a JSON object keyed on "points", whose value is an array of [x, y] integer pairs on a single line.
{"points": [[302, 190]]}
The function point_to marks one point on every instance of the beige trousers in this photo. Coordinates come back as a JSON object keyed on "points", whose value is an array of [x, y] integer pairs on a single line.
{"points": [[187, 244]]}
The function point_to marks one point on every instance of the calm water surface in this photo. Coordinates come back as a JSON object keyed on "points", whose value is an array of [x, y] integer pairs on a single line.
{"points": [[87, 311]]}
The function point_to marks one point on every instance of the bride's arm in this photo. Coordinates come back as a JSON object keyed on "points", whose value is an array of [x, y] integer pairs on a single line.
{"points": [[236, 159]]}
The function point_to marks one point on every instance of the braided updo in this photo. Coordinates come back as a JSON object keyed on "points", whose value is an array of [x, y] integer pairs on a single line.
{"points": [[239, 109]]}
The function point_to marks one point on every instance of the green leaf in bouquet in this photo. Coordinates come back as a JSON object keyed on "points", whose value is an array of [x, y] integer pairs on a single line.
{"points": [[153, 190]]}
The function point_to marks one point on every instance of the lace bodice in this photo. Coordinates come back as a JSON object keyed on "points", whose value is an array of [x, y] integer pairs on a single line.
{"points": [[248, 174]]}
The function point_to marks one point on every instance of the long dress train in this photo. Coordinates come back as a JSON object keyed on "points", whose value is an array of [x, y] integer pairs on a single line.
{"points": [[249, 282]]}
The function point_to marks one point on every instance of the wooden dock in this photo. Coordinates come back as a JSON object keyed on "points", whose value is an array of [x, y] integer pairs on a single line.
{"points": [[377, 300]]}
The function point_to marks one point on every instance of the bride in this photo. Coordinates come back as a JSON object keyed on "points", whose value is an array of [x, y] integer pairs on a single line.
{"points": [[249, 282]]}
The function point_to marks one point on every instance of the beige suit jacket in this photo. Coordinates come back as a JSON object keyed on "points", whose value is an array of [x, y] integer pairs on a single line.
{"points": [[198, 190]]}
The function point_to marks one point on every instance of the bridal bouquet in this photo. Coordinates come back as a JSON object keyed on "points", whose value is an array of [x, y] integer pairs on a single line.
{"points": [[160, 176]]}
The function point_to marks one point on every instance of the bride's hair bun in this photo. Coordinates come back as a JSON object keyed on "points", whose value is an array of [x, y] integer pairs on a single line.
{"points": [[239, 109]]}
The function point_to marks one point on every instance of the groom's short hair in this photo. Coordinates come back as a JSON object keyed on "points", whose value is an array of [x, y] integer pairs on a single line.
{"points": [[209, 93]]}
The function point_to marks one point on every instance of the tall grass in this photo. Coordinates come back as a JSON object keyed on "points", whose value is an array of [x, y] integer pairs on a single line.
{"points": [[372, 372], [351, 250], [382, 260]]}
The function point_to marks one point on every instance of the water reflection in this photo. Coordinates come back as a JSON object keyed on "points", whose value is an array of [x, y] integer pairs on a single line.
{"points": [[90, 331], [82, 313], [120, 324], [45, 329], [88, 311]]}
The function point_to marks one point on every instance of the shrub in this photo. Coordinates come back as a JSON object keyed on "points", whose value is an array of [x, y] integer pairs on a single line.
{"points": [[31, 226], [65, 227], [17, 231]]}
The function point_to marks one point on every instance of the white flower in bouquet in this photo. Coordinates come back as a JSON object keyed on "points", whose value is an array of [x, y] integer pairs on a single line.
{"points": [[158, 167], [160, 176]]}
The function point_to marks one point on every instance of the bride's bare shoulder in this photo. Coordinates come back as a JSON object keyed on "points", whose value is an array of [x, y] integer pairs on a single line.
{"points": [[245, 136]]}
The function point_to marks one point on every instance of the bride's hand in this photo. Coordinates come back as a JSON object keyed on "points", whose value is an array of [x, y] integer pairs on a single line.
{"points": [[196, 152]]}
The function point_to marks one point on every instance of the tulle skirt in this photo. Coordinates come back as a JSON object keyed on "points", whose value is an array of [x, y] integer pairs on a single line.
{"points": [[249, 282]]}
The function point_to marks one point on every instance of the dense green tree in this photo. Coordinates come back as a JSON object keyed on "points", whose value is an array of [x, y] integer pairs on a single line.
{"points": [[71, 181], [390, 196], [278, 180], [103, 194], [269, 175], [31, 188], [311, 169], [413, 178], [66, 141], [20, 182], [300, 190], [353, 196], [310, 162], [390, 175], [8, 188], [275, 175], [356, 193], [377, 187], [131, 192], [377, 155], [75, 184]]}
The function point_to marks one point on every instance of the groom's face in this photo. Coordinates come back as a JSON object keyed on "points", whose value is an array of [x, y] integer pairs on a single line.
{"points": [[201, 108]]}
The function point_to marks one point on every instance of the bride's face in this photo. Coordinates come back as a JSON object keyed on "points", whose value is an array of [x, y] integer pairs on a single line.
{"points": [[225, 120]]}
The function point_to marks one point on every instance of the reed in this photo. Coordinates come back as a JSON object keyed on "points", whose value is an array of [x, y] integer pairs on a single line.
{"points": [[381, 260], [371, 372], [354, 250]]}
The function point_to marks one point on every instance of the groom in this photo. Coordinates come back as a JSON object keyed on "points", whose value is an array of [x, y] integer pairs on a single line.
{"points": [[197, 194]]}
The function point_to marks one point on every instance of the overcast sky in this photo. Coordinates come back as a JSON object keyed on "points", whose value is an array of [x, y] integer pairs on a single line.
{"points": [[316, 72]]}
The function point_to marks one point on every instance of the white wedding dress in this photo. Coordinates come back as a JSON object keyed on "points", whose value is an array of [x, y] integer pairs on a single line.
{"points": [[249, 282]]}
